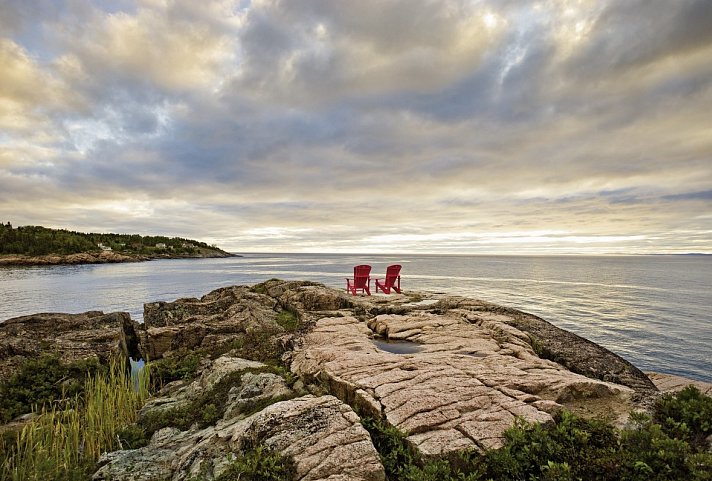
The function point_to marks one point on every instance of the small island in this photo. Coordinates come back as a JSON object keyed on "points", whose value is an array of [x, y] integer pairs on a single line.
{"points": [[37, 245]]}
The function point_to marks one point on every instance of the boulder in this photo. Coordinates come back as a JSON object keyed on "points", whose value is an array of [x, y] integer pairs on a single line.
{"points": [[91, 335], [321, 435], [214, 320], [252, 386], [307, 297]]}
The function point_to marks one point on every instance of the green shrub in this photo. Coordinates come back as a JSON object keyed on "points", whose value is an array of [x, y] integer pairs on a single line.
{"points": [[402, 463], [700, 466], [686, 415], [584, 445], [396, 456], [259, 464], [43, 381], [132, 436], [288, 320], [183, 366]]}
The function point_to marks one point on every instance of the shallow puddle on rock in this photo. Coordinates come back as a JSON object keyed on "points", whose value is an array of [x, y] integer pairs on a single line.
{"points": [[397, 347]]}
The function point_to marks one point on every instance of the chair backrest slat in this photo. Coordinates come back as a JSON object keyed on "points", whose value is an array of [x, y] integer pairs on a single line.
{"points": [[392, 274], [361, 275]]}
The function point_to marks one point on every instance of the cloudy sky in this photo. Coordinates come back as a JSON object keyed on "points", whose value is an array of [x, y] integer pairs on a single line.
{"points": [[363, 126]]}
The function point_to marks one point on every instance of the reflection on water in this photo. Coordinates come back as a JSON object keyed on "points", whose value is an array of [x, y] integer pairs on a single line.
{"points": [[655, 311], [136, 367], [397, 347]]}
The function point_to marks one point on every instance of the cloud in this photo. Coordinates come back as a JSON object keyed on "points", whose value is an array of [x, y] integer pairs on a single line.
{"points": [[320, 52], [662, 30], [314, 125], [703, 195], [30, 95]]}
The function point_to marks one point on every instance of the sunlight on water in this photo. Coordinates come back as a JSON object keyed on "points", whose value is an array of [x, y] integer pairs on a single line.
{"points": [[655, 311]]}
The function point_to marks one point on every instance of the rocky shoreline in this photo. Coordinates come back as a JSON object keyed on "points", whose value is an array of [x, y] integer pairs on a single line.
{"points": [[101, 257], [295, 366]]}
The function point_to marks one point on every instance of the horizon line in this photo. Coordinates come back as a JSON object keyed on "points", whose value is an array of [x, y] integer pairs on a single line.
{"points": [[461, 254]]}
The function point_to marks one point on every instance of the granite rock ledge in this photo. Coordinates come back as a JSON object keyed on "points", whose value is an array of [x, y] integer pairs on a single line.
{"points": [[452, 373]]}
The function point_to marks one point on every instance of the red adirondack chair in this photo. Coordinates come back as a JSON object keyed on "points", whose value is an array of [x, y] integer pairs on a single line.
{"points": [[392, 277], [360, 281]]}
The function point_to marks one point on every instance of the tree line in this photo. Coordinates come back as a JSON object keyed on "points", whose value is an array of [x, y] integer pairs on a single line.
{"points": [[38, 240]]}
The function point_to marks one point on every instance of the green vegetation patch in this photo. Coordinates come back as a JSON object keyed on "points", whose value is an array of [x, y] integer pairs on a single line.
{"points": [[43, 381], [259, 345], [261, 288], [572, 449], [259, 464], [396, 456], [38, 240], [182, 366], [288, 320], [132, 436], [63, 443], [686, 415]]}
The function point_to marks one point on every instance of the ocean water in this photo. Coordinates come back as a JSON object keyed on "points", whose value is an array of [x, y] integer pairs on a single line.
{"points": [[655, 311]]}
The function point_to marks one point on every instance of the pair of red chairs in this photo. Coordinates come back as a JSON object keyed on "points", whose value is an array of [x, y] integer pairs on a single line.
{"points": [[362, 280]]}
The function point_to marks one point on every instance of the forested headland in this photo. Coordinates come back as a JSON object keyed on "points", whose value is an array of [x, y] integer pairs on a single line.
{"points": [[42, 241]]}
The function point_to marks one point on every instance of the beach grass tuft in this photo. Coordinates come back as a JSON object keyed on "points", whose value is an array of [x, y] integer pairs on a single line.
{"points": [[63, 442]]}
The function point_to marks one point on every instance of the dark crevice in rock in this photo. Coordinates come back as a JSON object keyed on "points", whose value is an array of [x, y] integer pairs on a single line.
{"points": [[132, 339], [478, 445], [400, 310]]}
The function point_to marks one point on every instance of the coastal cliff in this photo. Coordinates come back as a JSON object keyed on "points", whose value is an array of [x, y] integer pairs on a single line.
{"points": [[302, 370], [103, 257]]}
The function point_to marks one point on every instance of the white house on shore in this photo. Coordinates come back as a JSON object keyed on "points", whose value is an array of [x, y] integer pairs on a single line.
{"points": [[103, 247]]}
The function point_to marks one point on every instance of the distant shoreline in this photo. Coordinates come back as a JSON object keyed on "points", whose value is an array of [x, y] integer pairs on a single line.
{"points": [[102, 257]]}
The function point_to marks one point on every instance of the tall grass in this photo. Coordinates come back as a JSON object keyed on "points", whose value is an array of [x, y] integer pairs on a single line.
{"points": [[64, 444]]}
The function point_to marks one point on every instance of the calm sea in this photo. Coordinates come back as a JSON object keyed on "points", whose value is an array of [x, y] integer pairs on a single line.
{"points": [[655, 311]]}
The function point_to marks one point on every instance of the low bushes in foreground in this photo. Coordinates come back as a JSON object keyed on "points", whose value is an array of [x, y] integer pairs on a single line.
{"points": [[663, 447], [41, 382], [259, 464]]}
